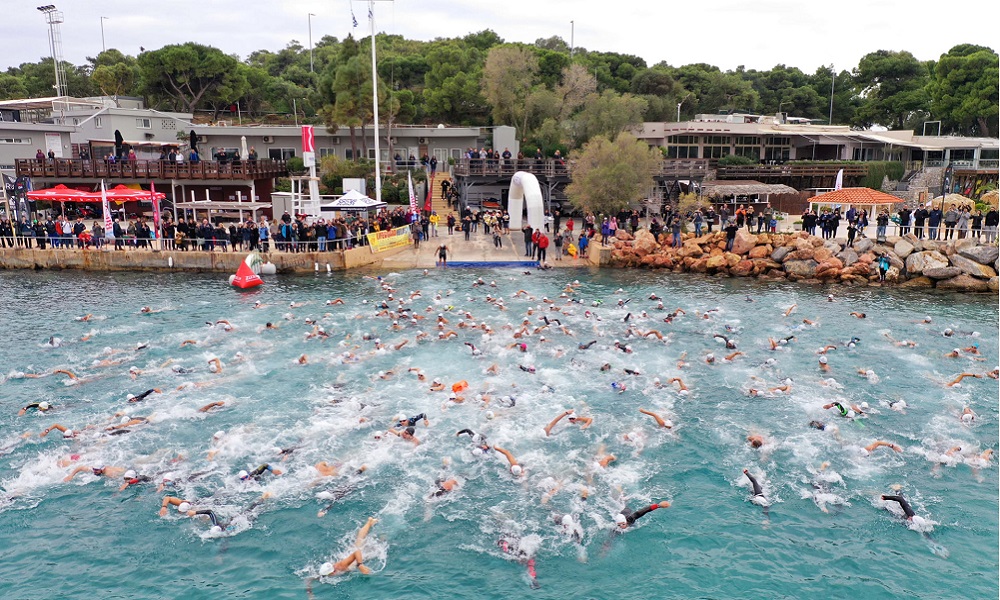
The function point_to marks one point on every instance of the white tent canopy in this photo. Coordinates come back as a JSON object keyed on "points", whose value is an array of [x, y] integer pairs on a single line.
{"points": [[352, 200]]}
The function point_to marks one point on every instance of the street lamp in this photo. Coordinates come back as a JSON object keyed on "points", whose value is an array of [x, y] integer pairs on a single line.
{"points": [[54, 17], [104, 46], [311, 15], [679, 107]]}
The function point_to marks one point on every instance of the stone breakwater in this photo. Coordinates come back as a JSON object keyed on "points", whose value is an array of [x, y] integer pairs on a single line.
{"points": [[958, 265]]}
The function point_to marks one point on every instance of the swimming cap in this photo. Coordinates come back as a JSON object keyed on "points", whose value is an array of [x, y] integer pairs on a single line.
{"points": [[477, 451], [710, 357], [436, 380], [956, 350], [948, 331], [769, 361], [656, 380], [567, 521], [967, 417], [452, 396], [620, 519], [325, 569], [901, 404], [125, 419], [130, 397], [43, 405], [216, 529], [851, 414], [68, 433], [130, 474], [400, 417], [133, 369], [516, 469], [668, 422], [822, 360], [243, 474], [683, 392], [183, 507], [213, 367], [869, 372], [489, 414], [218, 435], [864, 405]]}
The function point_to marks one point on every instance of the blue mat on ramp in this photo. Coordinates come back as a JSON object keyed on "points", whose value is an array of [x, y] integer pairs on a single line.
{"points": [[521, 264]]}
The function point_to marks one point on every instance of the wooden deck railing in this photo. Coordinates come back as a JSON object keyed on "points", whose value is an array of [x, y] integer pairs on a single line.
{"points": [[550, 168], [69, 168]]}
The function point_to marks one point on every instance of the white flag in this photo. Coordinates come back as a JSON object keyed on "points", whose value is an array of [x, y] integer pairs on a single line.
{"points": [[109, 228], [840, 180], [413, 197]]}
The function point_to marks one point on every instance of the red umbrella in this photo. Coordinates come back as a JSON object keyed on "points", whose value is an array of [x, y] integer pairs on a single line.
{"points": [[61, 193], [121, 193]]}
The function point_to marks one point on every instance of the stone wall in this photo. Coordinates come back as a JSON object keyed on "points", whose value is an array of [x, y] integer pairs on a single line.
{"points": [[147, 260], [959, 265]]}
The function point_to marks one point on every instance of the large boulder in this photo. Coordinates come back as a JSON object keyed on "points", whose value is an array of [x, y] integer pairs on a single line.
{"points": [[903, 248], [965, 244], [690, 249], [801, 268], [779, 254], [760, 251], [964, 283], [918, 262], [972, 267], [732, 258], [983, 255], [644, 243], [744, 241], [829, 268], [824, 253], [942, 272], [849, 256], [742, 268], [716, 262], [626, 236], [803, 254], [994, 284], [916, 282], [863, 245]]}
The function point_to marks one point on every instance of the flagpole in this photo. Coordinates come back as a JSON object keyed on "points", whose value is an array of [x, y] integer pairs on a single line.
{"points": [[378, 170]]}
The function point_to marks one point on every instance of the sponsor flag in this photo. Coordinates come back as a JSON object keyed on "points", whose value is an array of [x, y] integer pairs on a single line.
{"points": [[156, 208], [109, 226], [840, 180], [413, 196]]}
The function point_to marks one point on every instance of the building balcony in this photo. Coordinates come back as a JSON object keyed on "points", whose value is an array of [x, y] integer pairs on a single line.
{"points": [[73, 168]]}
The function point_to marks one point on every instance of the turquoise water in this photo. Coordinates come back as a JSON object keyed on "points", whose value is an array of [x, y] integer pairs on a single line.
{"points": [[86, 539]]}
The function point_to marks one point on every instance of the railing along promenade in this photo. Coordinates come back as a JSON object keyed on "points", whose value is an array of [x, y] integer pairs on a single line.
{"points": [[69, 168]]}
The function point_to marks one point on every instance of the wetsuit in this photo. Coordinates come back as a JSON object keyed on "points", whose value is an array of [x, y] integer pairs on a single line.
{"points": [[840, 407], [256, 473], [549, 322], [36, 406], [477, 438], [526, 369], [411, 421], [587, 345], [137, 480], [817, 425], [902, 504], [757, 491], [633, 516], [142, 396], [211, 515]]}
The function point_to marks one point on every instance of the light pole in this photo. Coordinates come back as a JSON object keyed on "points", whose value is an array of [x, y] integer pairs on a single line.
{"points": [[833, 81], [53, 17], [679, 107], [104, 47], [311, 15], [572, 34]]}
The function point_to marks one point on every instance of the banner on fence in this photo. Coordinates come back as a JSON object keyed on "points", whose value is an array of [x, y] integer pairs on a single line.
{"points": [[380, 241]]}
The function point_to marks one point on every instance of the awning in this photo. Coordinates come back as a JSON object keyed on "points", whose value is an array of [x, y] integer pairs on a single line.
{"points": [[722, 188]]}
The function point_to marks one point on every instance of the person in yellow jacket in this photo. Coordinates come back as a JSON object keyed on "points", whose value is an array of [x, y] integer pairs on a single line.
{"points": [[434, 219]]}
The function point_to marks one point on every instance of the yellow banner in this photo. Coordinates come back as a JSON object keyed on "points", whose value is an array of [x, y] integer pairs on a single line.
{"points": [[393, 238]]}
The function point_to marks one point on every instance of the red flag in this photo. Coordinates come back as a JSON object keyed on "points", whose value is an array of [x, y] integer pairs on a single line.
{"points": [[245, 277], [430, 187], [156, 207]]}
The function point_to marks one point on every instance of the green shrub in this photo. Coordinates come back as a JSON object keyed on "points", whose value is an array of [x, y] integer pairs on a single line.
{"points": [[733, 160]]}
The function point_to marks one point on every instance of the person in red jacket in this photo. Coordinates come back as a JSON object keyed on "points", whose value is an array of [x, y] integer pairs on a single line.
{"points": [[535, 236], [543, 244]]}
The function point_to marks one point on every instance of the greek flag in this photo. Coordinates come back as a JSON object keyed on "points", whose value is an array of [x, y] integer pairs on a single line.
{"points": [[371, 15], [354, 19]]}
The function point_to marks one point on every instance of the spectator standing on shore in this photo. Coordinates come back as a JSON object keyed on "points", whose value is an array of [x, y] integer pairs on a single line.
{"points": [[962, 224], [543, 245], [934, 222], [990, 223], [731, 230], [950, 220]]}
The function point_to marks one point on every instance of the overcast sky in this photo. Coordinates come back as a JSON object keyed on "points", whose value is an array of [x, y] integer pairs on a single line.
{"points": [[725, 33]]}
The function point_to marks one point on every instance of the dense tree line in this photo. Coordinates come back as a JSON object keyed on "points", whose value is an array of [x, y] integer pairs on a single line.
{"points": [[554, 99]]}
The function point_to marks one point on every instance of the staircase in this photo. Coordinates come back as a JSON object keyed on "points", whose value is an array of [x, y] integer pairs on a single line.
{"points": [[438, 203]]}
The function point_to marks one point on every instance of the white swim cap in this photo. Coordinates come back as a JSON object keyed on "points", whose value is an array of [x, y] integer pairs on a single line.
{"points": [[769, 361], [325, 569], [213, 367], [822, 360], [133, 369], [243, 474], [668, 422], [130, 474], [656, 380], [967, 417], [489, 414], [949, 331], [218, 435], [68, 433], [183, 507], [515, 469], [851, 414], [452, 396], [567, 521], [620, 519], [869, 372], [216, 529], [130, 397], [683, 392], [927, 319], [43, 405], [477, 451], [124, 420], [864, 405], [710, 357], [400, 417], [901, 404], [435, 380], [957, 350], [506, 399]]}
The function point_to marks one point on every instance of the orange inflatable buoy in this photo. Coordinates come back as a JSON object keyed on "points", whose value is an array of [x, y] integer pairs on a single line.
{"points": [[460, 386]]}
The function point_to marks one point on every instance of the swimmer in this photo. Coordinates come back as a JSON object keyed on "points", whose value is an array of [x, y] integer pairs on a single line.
{"points": [[823, 366], [98, 471], [660, 421], [402, 421], [211, 405], [791, 309], [587, 345], [66, 432], [143, 396], [148, 311], [730, 357], [217, 527], [182, 505], [69, 374], [479, 439], [475, 351], [681, 387], [335, 302], [880, 444], [755, 440], [354, 558], [605, 459], [436, 385], [302, 360], [406, 434], [968, 415], [41, 407], [444, 486], [85, 317], [953, 354], [126, 422], [844, 412], [527, 369], [257, 473], [188, 343], [628, 517], [731, 345], [131, 478], [515, 468], [859, 315]]}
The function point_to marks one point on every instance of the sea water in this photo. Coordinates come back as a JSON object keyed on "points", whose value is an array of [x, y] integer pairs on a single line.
{"points": [[824, 533]]}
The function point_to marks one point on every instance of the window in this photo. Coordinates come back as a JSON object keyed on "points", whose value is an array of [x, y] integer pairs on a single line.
{"points": [[989, 154], [15, 141], [748, 146], [327, 152], [717, 140], [715, 151], [76, 121], [143, 124], [682, 139], [98, 123], [371, 154], [280, 153], [747, 140], [682, 146], [168, 124], [965, 154]]}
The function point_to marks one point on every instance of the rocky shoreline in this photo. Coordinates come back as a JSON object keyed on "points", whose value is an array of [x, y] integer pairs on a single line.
{"points": [[964, 265]]}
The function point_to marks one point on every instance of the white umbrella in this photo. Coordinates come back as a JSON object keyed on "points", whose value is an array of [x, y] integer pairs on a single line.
{"points": [[243, 146]]}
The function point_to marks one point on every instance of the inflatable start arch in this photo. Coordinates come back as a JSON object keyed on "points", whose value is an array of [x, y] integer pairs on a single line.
{"points": [[524, 189]]}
